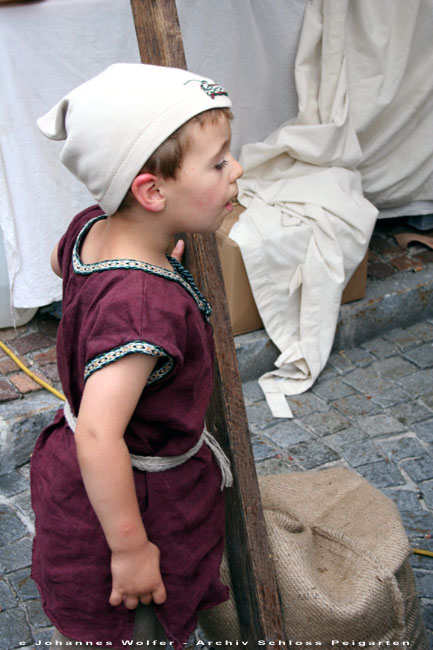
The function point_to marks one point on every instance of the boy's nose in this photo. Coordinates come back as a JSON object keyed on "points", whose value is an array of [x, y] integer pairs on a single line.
{"points": [[237, 171]]}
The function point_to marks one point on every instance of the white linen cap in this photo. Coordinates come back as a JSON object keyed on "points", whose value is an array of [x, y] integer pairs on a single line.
{"points": [[116, 120]]}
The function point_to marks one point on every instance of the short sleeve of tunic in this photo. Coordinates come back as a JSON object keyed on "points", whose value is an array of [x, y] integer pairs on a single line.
{"points": [[133, 317], [131, 310]]}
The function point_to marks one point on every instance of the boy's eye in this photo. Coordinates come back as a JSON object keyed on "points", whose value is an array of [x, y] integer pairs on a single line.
{"points": [[222, 164]]}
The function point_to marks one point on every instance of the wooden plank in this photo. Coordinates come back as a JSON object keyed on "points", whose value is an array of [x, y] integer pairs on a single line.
{"points": [[251, 565]]}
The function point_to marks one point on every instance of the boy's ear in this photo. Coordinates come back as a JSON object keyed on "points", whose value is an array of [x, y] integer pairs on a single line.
{"points": [[147, 190]]}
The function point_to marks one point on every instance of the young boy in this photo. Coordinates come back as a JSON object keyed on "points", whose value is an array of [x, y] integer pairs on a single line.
{"points": [[127, 494]]}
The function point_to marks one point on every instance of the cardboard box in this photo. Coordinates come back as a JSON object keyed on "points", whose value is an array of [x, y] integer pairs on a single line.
{"points": [[242, 307]]}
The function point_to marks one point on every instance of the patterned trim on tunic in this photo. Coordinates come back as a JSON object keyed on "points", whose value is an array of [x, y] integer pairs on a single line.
{"points": [[179, 273], [132, 348]]}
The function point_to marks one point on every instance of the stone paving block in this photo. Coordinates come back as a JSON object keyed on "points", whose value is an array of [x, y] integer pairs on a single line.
{"points": [[424, 583], [52, 375], [422, 330], [354, 446], [424, 430], [256, 354], [31, 405], [16, 555], [410, 412], [7, 391], [367, 381], [390, 397], [327, 373], [286, 434], [25, 384], [276, 466], [402, 447], [427, 399], [417, 383], [261, 450], [340, 362], [421, 561], [19, 428], [7, 598], [6, 364], [428, 615], [419, 469], [359, 356], [332, 389], [252, 391], [418, 525], [394, 367], [32, 342], [382, 474], [422, 356], [24, 503], [43, 636], [11, 333], [312, 453], [427, 493], [402, 338], [46, 357], [380, 424], [259, 416], [36, 614], [380, 347], [305, 404], [324, 423], [13, 483], [14, 629], [354, 405], [404, 499], [25, 471], [23, 584], [11, 527]]}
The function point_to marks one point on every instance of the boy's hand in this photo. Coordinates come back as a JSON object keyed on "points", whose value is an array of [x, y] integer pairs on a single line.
{"points": [[136, 577], [178, 250]]}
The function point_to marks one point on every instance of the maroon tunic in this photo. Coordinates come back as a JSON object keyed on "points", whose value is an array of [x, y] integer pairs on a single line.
{"points": [[111, 309]]}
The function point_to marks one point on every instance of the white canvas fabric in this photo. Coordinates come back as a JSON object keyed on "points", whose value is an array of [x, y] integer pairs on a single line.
{"points": [[307, 223]]}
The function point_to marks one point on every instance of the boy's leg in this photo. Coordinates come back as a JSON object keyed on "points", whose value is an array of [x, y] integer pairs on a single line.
{"points": [[147, 627]]}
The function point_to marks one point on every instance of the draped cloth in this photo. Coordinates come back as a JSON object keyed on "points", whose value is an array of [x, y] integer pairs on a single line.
{"points": [[307, 224]]}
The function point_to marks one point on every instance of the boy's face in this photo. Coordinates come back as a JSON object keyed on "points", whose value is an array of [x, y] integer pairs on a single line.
{"points": [[200, 196]]}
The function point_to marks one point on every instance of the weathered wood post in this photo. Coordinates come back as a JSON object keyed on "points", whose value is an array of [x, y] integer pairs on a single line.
{"points": [[254, 585]]}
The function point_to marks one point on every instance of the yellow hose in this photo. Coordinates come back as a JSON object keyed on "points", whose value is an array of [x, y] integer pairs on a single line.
{"points": [[421, 551], [28, 372]]}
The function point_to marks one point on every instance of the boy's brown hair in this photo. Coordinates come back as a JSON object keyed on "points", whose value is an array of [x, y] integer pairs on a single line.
{"points": [[167, 159]]}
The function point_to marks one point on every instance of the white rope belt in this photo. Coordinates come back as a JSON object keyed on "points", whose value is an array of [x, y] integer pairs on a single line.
{"points": [[164, 463]]}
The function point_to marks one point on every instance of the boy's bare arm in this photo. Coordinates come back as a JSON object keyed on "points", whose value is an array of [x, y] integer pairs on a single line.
{"points": [[109, 399], [55, 262]]}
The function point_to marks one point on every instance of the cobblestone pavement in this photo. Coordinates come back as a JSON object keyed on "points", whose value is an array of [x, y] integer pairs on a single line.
{"points": [[371, 410]]}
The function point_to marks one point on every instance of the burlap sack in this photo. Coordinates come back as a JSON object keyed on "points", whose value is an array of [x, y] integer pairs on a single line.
{"points": [[340, 554]]}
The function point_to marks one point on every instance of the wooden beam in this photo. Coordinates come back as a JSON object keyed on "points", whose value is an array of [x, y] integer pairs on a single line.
{"points": [[249, 555]]}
